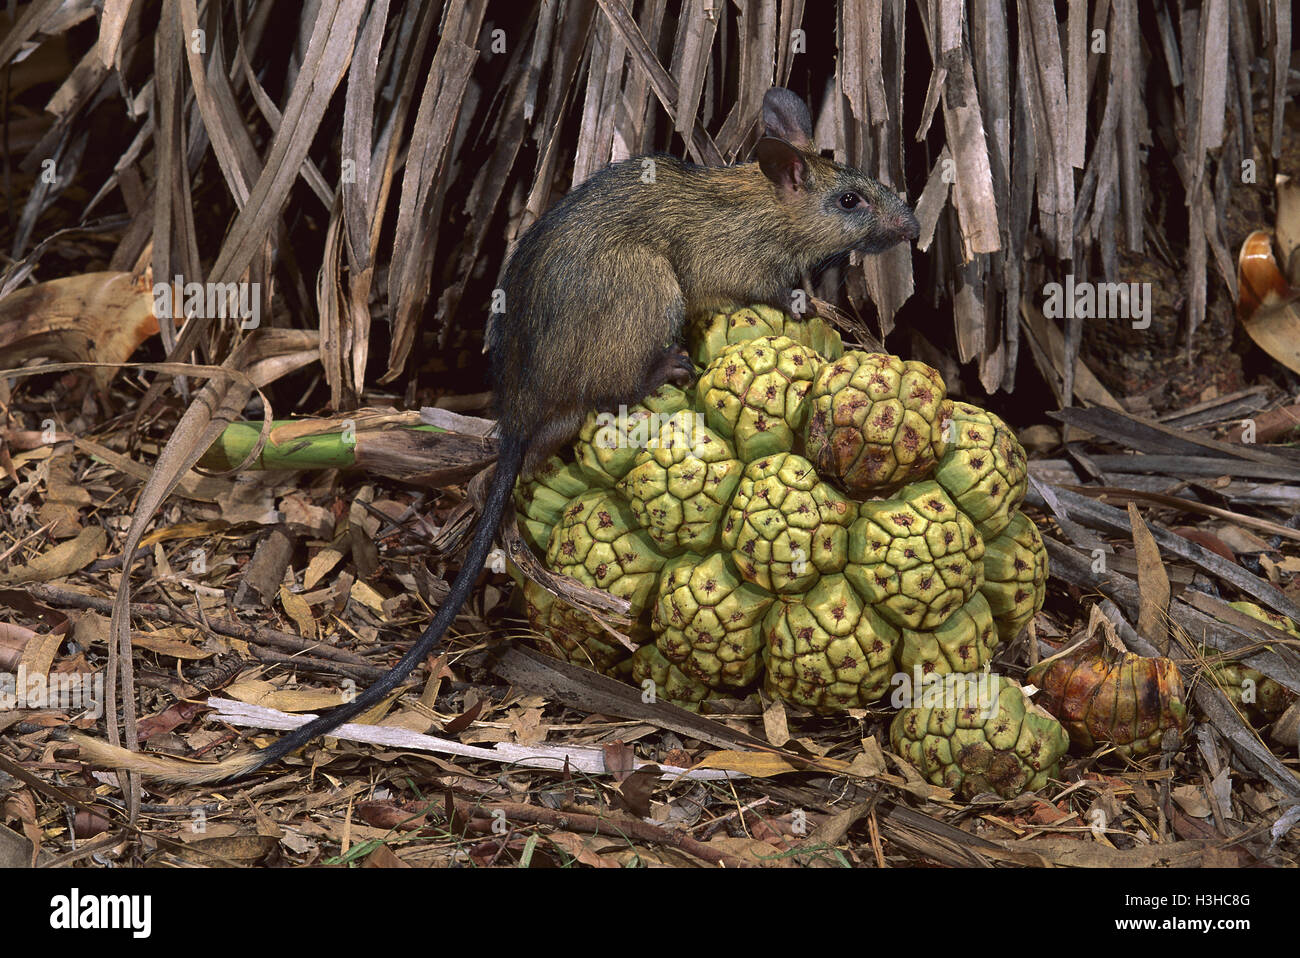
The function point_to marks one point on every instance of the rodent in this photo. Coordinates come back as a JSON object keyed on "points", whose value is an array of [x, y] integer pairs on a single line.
{"points": [[596, 293]]}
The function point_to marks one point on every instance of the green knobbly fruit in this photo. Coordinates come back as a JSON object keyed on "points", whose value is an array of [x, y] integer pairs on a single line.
{"points": [[604, 450], [916, 558], [827, 650], [1255, 695], [711, 333], [682, 483], [541, 499], [608, 443], [571, 634], [983, 735], [1015, 575], [599, 542], [964, 642], [984, 469], [786, 527], [742, 519], [707, 620], [667, 681], [1259, 698], [875, 421], [668, 399], [755, 394]]}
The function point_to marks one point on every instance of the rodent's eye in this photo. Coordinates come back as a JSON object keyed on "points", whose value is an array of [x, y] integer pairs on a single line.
{"points": [[849, 200]]}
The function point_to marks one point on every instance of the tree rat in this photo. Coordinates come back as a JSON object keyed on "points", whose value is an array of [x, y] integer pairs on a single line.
{"points": [[596, 292]]}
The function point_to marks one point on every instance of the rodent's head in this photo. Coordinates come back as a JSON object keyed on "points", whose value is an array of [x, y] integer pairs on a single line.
{"points": [[835, 207]]}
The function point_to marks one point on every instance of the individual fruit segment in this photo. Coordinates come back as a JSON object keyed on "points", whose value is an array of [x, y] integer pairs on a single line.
{"points": [[984, 469], [1104, 697], [571, 634], [1015, 575], [1259, 698], [979, 733], [711, 333], [875, 421], [827, 649], [682, 483], [667, 681], [609, 442], [668, 399], [916, 558], [1255, 695], [599, 543], [786, 527], [963, 642], [755, 394], [540, 500], [708, 619]]}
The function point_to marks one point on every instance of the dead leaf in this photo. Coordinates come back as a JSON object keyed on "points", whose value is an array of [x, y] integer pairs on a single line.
{"points": [[319, 566], [168, 719], [384, 857], [392, 815], [1153, 584], [579, 848], [368, 597], [169, 642], [233, 849], [257, 692], [753, 851], [1206, 540], [620, 759], [39, 653], [775, 726], [297, 609], [527, 727], [1275, 328], [757, 764], [1191, 799], [60, 560], [91, 317], [870, 761], [636, 790], [64, 497]]}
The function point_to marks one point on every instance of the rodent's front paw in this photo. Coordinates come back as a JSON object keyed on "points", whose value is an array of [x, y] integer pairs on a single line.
{"points": [[681, 371]]}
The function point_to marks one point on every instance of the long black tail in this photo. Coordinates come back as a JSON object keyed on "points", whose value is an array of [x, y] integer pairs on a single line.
{"points": [[509, 458]]}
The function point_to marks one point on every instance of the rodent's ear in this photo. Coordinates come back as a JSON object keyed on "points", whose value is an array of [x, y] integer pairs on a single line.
{"points": [[786, 117], [782, 163]]}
